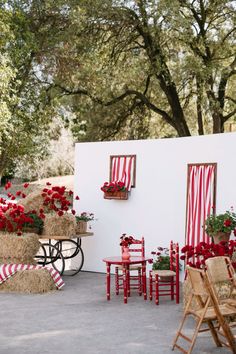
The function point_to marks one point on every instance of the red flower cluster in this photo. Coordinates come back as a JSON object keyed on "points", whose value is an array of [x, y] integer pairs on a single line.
{"points": [[126, 240], [13, 218], [196, 256], [114, 187], [56, 199]]}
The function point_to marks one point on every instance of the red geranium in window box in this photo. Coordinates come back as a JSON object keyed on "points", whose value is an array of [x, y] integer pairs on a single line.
{"points": [[115, 190]]}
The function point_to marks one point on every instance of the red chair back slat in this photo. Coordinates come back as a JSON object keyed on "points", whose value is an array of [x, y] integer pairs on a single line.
{"points": [[134, 249]]}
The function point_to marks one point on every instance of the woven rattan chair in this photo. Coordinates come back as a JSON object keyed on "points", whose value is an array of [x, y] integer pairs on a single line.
{"points": [[166, 282], [209, 312], [137, 248], [222, 277]]}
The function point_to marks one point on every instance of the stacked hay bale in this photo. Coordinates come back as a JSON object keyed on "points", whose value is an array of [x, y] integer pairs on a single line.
{"points": [[15, 249], [33, 281], [54, 225], [18, 249], [22, 250], [64, 225]]}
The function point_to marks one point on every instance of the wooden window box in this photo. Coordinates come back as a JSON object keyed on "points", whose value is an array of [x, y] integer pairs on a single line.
{"points": [[116, 195]]}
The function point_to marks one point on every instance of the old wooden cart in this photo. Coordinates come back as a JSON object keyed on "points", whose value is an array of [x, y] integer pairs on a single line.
{"points": [[64, 254]]}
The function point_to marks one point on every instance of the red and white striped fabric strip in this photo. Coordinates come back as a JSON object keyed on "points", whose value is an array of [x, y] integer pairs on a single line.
{"points": [[7, 270], [121, 170], [199, 202]]}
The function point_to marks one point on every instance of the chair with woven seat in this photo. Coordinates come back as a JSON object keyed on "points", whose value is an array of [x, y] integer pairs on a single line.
{"points": [[137, 248], [166, 282], [222, 277], [208, 312]]}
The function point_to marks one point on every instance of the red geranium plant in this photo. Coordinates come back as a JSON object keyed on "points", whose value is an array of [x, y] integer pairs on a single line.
{"points": [[114, 187], [13, 217], [196, 256], [126, 241]]}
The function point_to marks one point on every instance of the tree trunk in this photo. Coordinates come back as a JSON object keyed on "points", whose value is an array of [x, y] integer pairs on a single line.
{"points": [[218, 126]]}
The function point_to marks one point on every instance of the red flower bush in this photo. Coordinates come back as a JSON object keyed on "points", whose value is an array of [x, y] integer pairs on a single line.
{"points": [[13, 217], [196, 256], [114, 187]]}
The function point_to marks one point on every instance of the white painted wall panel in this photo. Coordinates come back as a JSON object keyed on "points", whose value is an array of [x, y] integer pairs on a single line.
{"points": [[156, 207]]}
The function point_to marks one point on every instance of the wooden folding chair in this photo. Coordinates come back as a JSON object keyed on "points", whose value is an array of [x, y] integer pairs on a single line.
{"points": [[221, 276], [209, 312]]}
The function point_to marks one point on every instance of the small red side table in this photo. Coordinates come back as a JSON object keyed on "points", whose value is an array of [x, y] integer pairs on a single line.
{"points": [[125, 265]]}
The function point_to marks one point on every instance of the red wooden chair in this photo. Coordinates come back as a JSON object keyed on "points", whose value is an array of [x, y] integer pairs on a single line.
{"points": [[135, 281], [168, 280]]}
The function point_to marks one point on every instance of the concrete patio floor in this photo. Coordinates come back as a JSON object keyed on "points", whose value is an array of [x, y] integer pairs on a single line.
{"points": [[78, 319]]}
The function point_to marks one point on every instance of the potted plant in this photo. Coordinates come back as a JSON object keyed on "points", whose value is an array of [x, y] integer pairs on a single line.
{"points": [[162, 259], [220, 226], [125, 242], [115, 190], [82, 221]]}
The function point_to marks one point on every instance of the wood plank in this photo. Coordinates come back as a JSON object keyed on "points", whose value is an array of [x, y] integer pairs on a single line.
{"points": [[55, 237]]}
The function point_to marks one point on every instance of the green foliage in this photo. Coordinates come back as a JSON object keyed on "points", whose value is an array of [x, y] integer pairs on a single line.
{"points": [[85, 217], [163, 263], [37, 222]]}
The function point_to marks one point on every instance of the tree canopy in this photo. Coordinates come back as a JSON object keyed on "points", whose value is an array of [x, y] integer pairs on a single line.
{"points": [[139, 60], [113, 69]]}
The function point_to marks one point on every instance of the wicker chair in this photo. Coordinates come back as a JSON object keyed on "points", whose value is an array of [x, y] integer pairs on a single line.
{"points": [[222, 277], [166, 282], [135, 281], [208, 312]]}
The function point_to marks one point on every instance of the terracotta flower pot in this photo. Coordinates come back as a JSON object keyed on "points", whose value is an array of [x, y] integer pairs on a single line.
{"points": [[221, 236], [81, 227]]}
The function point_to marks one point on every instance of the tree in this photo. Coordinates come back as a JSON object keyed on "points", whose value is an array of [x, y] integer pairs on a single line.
{"points": [[169, 58], [29, 32]]}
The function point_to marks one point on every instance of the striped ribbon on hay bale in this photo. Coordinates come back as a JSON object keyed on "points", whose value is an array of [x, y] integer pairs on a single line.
{"points": [[7, 270]]}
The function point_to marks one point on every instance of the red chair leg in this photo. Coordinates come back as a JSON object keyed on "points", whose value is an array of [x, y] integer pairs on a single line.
{"points": [[150, 285], [177, 290], [172, 288], [117, 280], [140, 287], [157, 289], [128, 283]]}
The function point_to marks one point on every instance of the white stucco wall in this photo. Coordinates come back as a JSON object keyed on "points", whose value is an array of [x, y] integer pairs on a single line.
{"points": [[156, 206]]}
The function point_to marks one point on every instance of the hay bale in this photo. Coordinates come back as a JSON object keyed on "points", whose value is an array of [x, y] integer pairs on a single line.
{"points": [[33, 201], [64, 225], [18, 249], [222, 289], [33, 281]]}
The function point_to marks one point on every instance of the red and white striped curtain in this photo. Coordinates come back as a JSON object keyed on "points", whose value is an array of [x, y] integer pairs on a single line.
{"points": [[122, 169], [200, 199]]}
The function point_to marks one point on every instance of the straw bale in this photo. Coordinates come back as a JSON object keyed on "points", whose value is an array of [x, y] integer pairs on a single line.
{"points": [[64, 225], [33, 201], [33, 281], [18, 249], [222, 289]]}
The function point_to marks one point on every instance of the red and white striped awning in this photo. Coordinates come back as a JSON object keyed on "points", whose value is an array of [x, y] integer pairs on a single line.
{"points": [[200, 200], [122, 169]]}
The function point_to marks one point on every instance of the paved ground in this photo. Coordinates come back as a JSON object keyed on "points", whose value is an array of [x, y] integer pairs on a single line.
{"points": [[78, 319]]}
